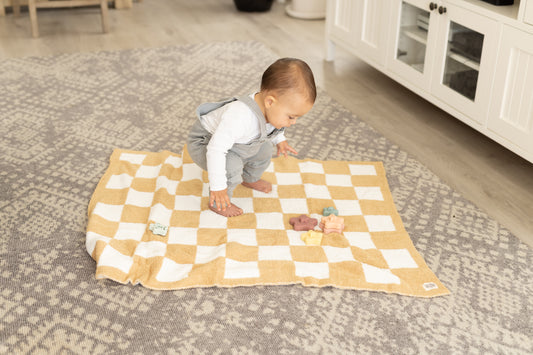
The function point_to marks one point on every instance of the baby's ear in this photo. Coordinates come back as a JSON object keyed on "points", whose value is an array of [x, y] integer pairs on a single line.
{"points": [[269, 100]]}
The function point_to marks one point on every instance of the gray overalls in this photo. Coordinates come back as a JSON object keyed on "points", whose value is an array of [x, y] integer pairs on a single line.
{"points": [[244, 162]]}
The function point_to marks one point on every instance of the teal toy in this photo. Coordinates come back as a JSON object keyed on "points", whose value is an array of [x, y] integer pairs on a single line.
{"points": [[330, 210]]}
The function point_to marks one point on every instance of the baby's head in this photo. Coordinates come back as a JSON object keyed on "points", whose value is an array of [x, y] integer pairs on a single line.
{"points": [[288, 90]]}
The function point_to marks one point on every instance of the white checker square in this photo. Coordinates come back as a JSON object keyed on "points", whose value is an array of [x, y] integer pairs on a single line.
{"points": [[376, 275], [163, 182], [191, 172], [92, 238], [362, 169], [316, 270], [151, 249], [148, 172], [112, 257], [317, 191], [205, 254], [241, 269], [185, 236], [187, 203], [132, 158], [160, 214], [139, 198], [311, 167], [348, 207], [205, 189], [272, 220], [270, 167], [362, 240], [210, 219], [246, 203], [398, 258], [109, 212], [336, 255], [294, 205], [242, 236], [379, 223], [171, 271], [369, 193], [133, 231], [295, 237], [289, 178], [275, 252], [174, 161], [338, 180], [271, 194], [121, 181]]}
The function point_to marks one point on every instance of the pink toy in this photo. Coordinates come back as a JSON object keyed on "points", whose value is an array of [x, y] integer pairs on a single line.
{"points": [[303, 223], [332, 224]]}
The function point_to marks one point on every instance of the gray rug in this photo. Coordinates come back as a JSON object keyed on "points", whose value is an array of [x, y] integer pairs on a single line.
{"points": [[61, 117]]}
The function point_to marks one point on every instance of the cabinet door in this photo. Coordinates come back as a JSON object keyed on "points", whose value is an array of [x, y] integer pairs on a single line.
{"points": [[464, 61], [371, 36], [413, 37], [511, 110], [342, 19]]}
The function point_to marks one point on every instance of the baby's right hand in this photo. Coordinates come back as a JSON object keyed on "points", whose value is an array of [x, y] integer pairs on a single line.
{"points": [[220, 198]]}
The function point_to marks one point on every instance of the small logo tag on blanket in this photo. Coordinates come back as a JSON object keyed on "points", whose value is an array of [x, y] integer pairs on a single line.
{"points": [[158, 228]]}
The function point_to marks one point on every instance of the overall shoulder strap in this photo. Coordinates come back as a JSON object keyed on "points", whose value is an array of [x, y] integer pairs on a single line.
{"points": [[256, 110], [211, 106]]}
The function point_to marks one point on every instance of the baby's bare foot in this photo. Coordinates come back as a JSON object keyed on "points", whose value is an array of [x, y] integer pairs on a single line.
{"points": [[230, 211], [259, 185]]}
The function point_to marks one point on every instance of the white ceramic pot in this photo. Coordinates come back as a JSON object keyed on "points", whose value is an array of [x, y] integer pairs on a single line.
{"points": [[307, 9]]}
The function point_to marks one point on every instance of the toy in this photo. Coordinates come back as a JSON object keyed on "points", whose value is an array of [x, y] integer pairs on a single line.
{"points": [[312, 238], [303, 223], [158, 228], [332, 224], [330, 210]]}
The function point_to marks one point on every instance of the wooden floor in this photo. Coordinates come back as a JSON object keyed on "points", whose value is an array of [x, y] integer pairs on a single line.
{"points": [[495, 179]]}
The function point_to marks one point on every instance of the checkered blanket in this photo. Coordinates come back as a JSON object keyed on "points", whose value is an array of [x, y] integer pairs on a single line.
{"points": [[149, 223]]}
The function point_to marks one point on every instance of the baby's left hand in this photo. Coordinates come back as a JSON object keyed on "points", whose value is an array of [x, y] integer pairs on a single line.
{"points": [[284, 148]]}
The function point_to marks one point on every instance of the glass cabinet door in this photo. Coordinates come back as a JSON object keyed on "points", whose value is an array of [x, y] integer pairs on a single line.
{"points": [[414, 41], [412, 37], [463, 56], [465, 61]]}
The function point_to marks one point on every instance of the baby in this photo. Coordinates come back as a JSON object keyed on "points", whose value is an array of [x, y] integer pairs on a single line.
{"points": [[233, 139]]}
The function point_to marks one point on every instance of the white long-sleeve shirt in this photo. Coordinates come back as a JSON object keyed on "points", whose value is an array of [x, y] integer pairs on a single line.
{"points": [[232, 123]]}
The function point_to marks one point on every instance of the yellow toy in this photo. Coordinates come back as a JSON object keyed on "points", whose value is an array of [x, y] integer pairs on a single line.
{"points": [[312, 238]]}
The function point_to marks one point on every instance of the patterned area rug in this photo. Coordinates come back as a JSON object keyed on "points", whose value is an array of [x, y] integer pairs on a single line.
{"points": [[149, 223], [60, 119]]}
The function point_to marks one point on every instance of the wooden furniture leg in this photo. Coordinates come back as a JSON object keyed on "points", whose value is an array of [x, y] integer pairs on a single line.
{"points": [[105, 16], [2, 8], [33, 18], [16, 7]]}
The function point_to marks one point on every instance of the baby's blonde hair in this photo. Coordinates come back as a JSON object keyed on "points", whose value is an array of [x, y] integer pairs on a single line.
{"points": [[287, 74]]}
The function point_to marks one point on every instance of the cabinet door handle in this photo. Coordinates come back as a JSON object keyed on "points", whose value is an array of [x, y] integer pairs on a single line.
{"points": [[432, 6], [442, 10]]}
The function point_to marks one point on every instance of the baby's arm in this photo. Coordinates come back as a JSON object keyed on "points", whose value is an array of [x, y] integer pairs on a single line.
{"points": [[284, 148]]}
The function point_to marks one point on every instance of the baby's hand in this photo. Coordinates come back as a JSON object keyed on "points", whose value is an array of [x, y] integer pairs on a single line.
{"points": [[220, 198], [284, 148]]}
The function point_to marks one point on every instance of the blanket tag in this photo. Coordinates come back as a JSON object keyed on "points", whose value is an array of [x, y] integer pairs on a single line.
{"points": [[158, 228]]}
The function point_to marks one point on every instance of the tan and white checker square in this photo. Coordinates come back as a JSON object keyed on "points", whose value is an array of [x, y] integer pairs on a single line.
{"points": [[202, 248]]}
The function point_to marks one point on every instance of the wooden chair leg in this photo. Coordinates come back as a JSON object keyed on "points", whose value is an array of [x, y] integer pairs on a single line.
{"points": [[33, 18], [105, 16], [16, 7], [2, 8]]}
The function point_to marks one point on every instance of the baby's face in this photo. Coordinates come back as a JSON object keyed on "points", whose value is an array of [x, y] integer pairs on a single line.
{"points": [[284, 110]]}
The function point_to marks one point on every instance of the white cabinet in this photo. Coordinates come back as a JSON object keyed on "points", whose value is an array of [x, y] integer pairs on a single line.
{"points": [[511, 110], [446, 51], [468, 57], [357, 25]]}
